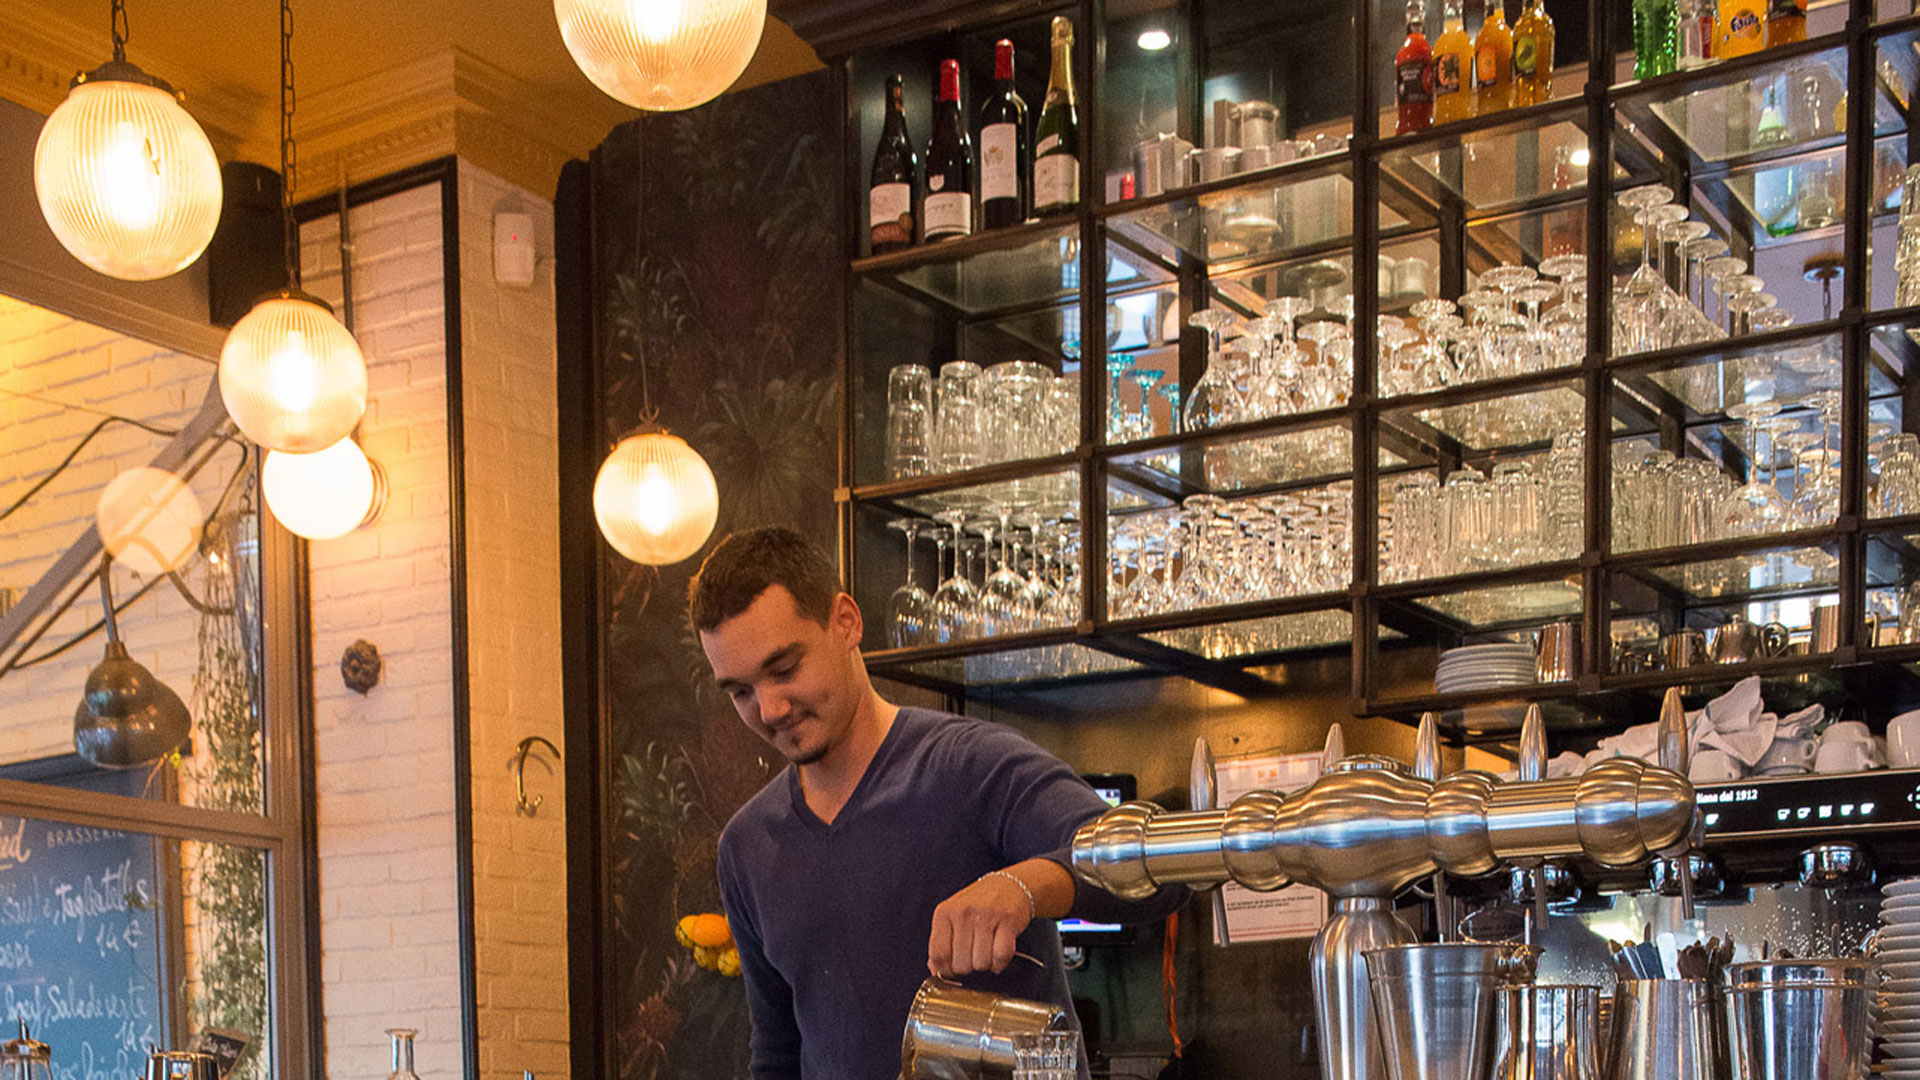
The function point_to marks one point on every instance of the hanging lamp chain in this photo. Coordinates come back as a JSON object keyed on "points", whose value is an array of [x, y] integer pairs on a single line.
{"points": [[288, 153], [121, 31]]}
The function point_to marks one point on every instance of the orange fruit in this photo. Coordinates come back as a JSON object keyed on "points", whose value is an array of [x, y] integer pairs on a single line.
{"points": [[683, 930], [710, 930]]}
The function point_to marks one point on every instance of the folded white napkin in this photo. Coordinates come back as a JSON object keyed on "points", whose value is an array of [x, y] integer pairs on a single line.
{"points": [[1747, 745], [1800, 725], [1739, 708]]}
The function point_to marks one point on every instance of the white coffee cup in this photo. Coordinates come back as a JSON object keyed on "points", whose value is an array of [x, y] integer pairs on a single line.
{"points": [[1843, 756], [1786, 755], [1712, 767], [1903, 740], [1846, 731]]}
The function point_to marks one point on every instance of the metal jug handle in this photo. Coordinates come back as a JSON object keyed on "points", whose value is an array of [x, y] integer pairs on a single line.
{"points": [[1775, 638], [1018, 955]]}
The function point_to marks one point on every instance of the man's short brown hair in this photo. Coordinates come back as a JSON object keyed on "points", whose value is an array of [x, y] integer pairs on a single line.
{"points": [[746, 564]]}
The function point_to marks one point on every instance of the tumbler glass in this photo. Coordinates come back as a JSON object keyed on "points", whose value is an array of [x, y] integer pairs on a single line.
{"points": [[909, 421], [960, 417], [1045, 1055]]}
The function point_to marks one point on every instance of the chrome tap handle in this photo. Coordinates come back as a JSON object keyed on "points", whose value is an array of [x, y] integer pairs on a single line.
{"points": [[1200, 776], [1426, 748], [1672, 737], [1335, 749], [1533, 746]]}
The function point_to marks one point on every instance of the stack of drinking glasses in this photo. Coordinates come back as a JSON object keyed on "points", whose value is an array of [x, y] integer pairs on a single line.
{"points": [[1906, 251], [1528, 511], [1212, 551], [1503, 327], [1045, 1055], [1898, 489], [976, 416], [1793, 479], [1650, 313], [1015, 567]]}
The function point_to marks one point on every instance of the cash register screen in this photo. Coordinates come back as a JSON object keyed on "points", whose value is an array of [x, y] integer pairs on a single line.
{"points": [[1115, 788]]}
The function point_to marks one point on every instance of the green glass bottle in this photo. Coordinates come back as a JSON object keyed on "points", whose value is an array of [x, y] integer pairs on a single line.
{"points": [[1056, 139]]}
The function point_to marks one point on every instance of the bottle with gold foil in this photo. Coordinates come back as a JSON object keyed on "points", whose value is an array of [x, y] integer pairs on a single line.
{"points": [[1452, 67], [1533, 56], [1493, 62], [1741, 29], [1786, 22]]}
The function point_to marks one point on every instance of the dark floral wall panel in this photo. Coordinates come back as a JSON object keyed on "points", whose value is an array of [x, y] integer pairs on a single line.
{"points": [[716, 236]]}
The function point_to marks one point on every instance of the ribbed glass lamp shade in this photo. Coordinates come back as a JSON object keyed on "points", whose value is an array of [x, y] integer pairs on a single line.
{"points": [[292, 376], [149, 521], [662, 55], [655, 499], [324, 495], [127, 181]]}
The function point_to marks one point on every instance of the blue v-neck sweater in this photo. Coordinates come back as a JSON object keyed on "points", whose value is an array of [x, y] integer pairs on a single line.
{"points": [[832, 920]]}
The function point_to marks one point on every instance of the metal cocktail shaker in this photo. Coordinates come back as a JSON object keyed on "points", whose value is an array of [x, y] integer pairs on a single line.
{"points": [[1667, 1029]]}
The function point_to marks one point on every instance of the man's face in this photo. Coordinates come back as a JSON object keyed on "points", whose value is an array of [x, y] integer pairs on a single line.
{"points": [[790, 678]]}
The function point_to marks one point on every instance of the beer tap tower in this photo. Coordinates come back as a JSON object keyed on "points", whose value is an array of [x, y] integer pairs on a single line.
{"points": [[1370, 826]]}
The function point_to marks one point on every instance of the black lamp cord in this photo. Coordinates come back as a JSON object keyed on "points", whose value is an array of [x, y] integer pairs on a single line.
{"points": [[289, 156], [121, 31]]}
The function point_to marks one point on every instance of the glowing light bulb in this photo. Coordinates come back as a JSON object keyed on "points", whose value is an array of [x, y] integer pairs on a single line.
{"points": [[295, 373], [322, 495], [292, 376], [655, 499], [661, 54], [1155, 40], [1580, 157]]}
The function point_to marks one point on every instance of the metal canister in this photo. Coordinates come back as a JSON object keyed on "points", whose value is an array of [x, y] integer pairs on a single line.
{"points": [[954, 1033], [1435, 1004], [1254, 123]]}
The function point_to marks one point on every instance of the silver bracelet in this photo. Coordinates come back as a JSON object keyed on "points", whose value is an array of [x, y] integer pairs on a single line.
{"points": [[1033, 909]]}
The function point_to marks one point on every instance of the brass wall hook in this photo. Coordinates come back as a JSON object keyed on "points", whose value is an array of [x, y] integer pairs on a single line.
{"points": [[529, 806]]}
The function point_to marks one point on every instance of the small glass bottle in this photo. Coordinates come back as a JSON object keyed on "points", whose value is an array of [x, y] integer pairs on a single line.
{"points": [[1696, 33], [1452, 67], [1413, 73], [402, 1054], [1493, 62], [1654, 23]]}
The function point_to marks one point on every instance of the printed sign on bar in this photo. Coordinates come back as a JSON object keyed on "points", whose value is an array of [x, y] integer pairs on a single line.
{"points": [[1297, 911]]}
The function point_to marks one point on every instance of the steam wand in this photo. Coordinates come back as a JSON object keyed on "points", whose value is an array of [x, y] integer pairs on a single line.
{"points": [[1426, 766]]}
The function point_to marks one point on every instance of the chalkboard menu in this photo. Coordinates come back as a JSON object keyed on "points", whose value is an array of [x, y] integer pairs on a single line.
{"points": [[82, 941]]}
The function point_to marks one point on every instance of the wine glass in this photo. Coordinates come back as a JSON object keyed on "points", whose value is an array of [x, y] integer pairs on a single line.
{"points": [[956, 603], [1208, 404], [909, 608], [1757, 507]]}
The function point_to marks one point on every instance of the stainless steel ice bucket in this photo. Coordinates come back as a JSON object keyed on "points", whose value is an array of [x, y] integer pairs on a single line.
{"points": [[1801, 1019], [1434, 1005], [954, 1033]]}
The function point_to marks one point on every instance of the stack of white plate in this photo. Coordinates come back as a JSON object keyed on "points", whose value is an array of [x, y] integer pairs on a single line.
{"points": [[1899, 957], [1484, 667]]}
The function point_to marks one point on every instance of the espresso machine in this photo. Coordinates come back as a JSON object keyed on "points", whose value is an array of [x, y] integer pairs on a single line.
{"points": [[1372, 825]]}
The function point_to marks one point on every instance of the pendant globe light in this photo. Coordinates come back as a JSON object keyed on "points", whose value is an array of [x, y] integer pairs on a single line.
{"points": [[662, 55], [326, 494], [654, 497], [126, 179], [291, 374]]}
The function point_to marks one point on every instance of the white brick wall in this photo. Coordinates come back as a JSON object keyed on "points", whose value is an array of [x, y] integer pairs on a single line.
{"points": [[389, 925], [513, 615]]}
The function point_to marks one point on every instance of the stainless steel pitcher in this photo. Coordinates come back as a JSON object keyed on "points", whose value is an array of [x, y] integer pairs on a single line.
{"points": [[1666, 1029], [1434, 1005], [954, 1033], [1801, 1019]]}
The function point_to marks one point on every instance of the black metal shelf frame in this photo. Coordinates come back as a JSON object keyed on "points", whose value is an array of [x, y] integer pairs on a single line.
{"points": [[1610, 386]]}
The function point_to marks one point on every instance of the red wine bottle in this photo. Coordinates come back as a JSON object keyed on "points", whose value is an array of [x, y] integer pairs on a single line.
{"points": [[895, 177], [1005, 151], [948, 210]]}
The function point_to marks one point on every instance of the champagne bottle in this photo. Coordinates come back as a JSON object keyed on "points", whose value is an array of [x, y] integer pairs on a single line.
{"points": [[1413, 73], [948, 211], [890, 188], [1005, 171], [1056, 140]]}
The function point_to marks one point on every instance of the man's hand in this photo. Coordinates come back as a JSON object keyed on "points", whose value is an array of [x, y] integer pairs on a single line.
{"points": [[973, 930]]}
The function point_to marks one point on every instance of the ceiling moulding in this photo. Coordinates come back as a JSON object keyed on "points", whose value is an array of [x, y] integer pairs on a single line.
{"points": [[836, 28], [40, 53], [451, 103]]}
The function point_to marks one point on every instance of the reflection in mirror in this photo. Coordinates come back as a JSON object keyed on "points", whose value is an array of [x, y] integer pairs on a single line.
{"points": [[112, 943], [109, 436]]}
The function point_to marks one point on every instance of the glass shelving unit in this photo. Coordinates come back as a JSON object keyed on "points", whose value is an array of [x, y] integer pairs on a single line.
{"points": [[1473, 288]]}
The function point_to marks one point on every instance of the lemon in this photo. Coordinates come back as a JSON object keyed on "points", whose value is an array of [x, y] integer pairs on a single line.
{"points": [[729, 962], [707, 956]]}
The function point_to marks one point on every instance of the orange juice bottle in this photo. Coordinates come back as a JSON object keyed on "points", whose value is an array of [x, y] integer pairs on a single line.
{"points": [[1493, 62], [1533, 56], [1741, 28], [1452, 67]]}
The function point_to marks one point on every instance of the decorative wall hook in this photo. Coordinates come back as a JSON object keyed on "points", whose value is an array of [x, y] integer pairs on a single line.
{"points": [[360, 666], [529, 806]]}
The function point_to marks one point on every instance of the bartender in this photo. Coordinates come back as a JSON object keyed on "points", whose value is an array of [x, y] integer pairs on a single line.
{"points": [[898, 842]]}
